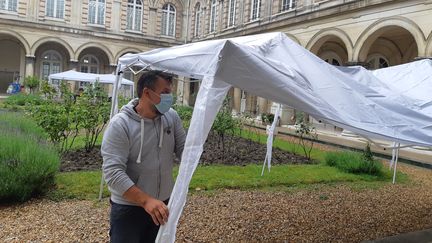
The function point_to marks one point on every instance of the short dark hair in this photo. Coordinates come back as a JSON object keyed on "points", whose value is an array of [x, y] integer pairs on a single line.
{"points": [[148, 80]]}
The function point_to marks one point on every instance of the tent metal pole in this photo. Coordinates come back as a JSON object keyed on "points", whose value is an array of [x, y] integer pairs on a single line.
{"points": [[112, 113], [395, 164]]}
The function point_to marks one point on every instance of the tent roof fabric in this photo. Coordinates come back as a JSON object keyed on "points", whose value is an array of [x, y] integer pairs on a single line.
{"points": [[274, 67], [73, 75], [412, 80]]}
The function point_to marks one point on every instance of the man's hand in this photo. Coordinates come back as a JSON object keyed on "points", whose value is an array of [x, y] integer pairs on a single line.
{"points": [[157, 210]]}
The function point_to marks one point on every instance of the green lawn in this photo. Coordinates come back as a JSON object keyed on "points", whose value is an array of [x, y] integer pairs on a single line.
{"points": [[85, 185]]}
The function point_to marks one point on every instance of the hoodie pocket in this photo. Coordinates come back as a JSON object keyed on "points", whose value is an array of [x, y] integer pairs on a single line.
{"points": [[148, 184]]}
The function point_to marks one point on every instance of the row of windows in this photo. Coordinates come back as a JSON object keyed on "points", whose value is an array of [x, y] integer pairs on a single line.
{"points": [[96, 15], [286, 5], [134, 16]]}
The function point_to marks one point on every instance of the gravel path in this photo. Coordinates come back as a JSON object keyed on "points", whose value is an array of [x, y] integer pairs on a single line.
{"points": [[321, 214]]}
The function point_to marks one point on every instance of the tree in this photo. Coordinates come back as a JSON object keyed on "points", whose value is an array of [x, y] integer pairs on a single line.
{"points": [[31, 82], [223, 124], [92, 113], [57, 118], [307, 135]]}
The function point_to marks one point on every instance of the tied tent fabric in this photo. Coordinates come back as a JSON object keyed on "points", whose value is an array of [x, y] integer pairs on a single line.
{"points": [[274, 67]]}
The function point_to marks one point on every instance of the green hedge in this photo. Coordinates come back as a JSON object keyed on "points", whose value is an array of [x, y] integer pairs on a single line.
{"points": [[185, 114], [28, 162], [22, 99], [353, 162]]}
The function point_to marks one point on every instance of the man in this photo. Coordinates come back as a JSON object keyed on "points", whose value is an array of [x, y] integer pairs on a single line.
{"points": [[138, 152]]}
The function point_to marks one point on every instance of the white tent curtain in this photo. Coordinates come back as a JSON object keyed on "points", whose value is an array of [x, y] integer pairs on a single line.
{"points": [[270, 132], [274, 67], [209, 100]]}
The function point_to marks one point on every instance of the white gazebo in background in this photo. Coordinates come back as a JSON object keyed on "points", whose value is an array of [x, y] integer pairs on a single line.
{"points": [[81, 79]]}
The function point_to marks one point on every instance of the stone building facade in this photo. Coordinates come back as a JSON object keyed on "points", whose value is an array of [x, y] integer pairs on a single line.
{"points": [[47, 36]]}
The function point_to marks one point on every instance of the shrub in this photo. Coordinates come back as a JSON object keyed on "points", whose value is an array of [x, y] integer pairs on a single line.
{"points": [[91, 112], [185, 114], [367, 153], [63, 118], [353, 162], [14, 122], [31, 82], [27, 162], [267, 118], [22, 99], [307, 135]]}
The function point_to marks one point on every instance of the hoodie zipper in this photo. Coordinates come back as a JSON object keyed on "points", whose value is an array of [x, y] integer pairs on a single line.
{"points": [[159, 162]]}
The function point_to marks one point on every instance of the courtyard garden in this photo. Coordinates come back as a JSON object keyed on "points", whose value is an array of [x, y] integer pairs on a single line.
{"points": [[50, 173]]}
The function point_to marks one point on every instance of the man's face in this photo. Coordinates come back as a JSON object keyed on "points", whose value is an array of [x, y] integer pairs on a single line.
{"points": [[162, 86]]}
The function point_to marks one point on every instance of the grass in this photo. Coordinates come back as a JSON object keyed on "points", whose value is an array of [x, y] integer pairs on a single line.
{"points": [[77, 185], [294, 148], [85, 185]]}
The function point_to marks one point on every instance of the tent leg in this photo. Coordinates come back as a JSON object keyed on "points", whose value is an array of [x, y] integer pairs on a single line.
{"points": [[102, 183], [395, 164], [262, 172], [393, 155]]}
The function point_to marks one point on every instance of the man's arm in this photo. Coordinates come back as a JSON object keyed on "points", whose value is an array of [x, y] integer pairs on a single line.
{"points": [[179, 135], [115, 151]]}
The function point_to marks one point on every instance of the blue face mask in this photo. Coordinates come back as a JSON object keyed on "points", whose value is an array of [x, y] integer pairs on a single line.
{"points": [[165, 103]]}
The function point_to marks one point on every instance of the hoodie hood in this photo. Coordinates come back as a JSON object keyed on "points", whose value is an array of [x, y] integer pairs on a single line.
{"points": [[128, 109]]}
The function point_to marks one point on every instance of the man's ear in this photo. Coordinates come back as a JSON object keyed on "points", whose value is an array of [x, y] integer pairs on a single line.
{"points": [[146, 91]]}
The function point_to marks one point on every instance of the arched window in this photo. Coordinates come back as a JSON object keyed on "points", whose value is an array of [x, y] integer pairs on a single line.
{"points": [[231, 12], [332, 58], [168, 20], [134, 15], [377, 61], [332, 61], [213, 14], [89, 64], [255, 9], [9, 5], [288, 5], [96, 12], [197, 28], [51, 63], [55, 8]]}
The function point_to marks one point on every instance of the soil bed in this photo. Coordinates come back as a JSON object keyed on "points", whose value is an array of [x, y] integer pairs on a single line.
{"points": [[237, 151]]}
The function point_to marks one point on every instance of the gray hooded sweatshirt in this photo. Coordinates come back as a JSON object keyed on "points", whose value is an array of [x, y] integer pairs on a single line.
{"points": [[140, 151]]}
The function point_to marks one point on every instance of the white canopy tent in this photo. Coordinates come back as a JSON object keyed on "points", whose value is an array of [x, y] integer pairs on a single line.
{"points": [[274, 67], [73, 75], [412, 80]]}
